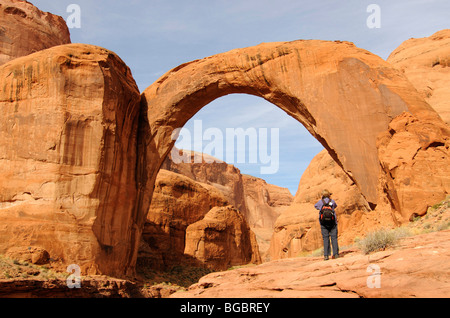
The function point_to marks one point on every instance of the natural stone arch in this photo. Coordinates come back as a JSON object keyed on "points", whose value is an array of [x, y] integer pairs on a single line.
{"points": [[343, 95]]}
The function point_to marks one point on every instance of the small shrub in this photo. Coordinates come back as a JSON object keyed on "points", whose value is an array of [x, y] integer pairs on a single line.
{"points": [[381, 239], [443, 226]]}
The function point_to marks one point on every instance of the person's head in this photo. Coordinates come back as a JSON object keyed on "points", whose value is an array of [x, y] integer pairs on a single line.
{"points": [[326, 194]]}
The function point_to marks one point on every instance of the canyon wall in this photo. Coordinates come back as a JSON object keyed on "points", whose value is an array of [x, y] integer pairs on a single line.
{"points": [[68, 139]]}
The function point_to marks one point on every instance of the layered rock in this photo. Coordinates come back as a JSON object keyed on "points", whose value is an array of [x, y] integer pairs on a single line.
{"points": [[187, 192], [426, 63], [24, 29], [68, 157], [265, 202], [222, 239], [209, 170], [178, 201]]}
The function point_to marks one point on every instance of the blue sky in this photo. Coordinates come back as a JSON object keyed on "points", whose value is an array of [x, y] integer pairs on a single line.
{"points": [[153, 36]]}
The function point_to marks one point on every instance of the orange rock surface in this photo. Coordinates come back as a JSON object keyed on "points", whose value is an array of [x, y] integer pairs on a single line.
{"points": [[417, 267], [178, 201], [317, 82], [415, 156], [68, 157], [186, 193], [24, 29], [426, 63], [297, 229], [81, 148], [222, 239]]}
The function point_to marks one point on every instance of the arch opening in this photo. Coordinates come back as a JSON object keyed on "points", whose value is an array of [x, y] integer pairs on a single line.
{"points": [[179, 199]]}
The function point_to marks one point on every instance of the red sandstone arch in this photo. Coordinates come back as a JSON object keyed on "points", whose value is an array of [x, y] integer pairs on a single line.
{"points": [[343, 95], [99, 171]]}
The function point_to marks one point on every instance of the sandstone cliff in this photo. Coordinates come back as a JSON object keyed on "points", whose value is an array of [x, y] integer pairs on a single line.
{"points": [[68, 156], [24, 29], [186, 193], [414, 154], [178, 202], [426, 63]]}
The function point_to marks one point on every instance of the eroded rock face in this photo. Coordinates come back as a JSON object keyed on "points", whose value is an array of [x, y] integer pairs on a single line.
{"points": [[24, 29], [415, 155], [222, 239], [264, 201], [188, 191], [177, 202], [209, 170], [426, 63], [67, 171]]}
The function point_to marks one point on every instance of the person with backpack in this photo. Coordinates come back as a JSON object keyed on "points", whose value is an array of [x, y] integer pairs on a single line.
{"points": [[328, 224]]}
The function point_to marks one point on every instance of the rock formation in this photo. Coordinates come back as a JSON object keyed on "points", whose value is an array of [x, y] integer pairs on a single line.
{"points": [[68, 157], [24, 29], [343, 95], [426, 63], [222, 239], [178, 201], [186, 193], [81, 148], [265, 202], [209, 170], [414, 154]]}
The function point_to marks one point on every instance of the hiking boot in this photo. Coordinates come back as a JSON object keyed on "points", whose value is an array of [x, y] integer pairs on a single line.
{"points": [[325, 258], [335, 256]]}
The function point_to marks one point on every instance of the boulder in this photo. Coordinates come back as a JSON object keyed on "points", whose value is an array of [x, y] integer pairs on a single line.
{"points": [[34, 255], [24, 29], [222, 239]]}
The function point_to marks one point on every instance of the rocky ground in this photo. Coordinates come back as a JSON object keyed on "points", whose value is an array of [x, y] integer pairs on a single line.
{"points": [[417, 265]]}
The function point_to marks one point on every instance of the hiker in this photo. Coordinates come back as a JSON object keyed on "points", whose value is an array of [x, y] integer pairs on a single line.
{"points": [[328, 224]]}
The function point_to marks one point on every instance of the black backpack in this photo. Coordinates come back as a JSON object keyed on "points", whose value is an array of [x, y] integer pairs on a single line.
{"points": [[327, 214]]}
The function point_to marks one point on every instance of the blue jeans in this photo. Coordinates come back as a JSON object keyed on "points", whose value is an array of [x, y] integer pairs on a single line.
{"points": [[328, 233]]}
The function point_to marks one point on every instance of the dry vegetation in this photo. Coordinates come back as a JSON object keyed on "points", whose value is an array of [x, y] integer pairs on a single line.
{"points": [[436, 219]]}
